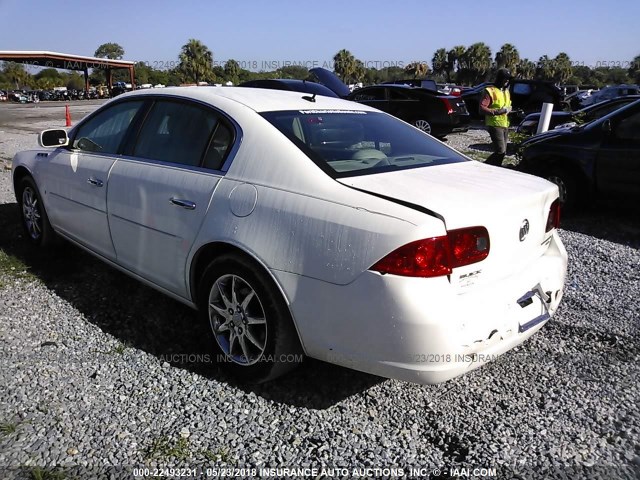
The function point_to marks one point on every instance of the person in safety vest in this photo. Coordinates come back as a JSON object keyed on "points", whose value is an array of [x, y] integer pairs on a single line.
{"points": [[495, 106]]}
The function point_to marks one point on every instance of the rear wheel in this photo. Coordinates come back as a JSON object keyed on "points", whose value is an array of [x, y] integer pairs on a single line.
{"points": [[253, 334], [423, 125], [34, 217], [567, 187]]}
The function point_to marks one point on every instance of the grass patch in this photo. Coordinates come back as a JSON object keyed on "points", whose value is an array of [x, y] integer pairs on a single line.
{"points": [[12, 267], [164, 447], [222, 454], [477, 155], [39, 473], [7, 428]]}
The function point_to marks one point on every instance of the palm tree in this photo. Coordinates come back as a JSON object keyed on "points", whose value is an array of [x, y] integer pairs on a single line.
{"points": [[454, 58], [195, 62], [440, 63], [526, 69], [344, 65], [634, 69], [563, 68], [476, 62], [545, 68], [16, 74], [507, 57], [417, 69]]}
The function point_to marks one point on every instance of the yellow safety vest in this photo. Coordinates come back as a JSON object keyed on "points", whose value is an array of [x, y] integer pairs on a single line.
{"points": [[499, 99]]}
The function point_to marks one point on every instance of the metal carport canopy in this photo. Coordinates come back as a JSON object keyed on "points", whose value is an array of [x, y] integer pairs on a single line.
{"points": [[68, 61]]}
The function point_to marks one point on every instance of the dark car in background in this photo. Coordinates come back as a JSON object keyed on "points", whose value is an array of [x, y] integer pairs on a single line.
{"points": [[527, 96], [428, 110], [529, 126], [292, 85], [608, 93], [431, 112], [596, 160], [415, 82]]}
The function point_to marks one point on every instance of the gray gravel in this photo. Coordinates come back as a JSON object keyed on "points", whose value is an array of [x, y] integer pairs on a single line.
{"points": [[100, 374]]}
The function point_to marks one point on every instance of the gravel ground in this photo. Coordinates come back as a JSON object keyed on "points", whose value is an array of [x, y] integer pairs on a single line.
{"points": [[101, 374]]}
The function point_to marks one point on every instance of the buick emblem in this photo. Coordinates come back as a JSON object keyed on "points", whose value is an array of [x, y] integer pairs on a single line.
{"points": [[524, 229]]}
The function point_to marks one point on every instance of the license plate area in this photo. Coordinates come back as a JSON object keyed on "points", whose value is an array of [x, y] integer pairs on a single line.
{"points": [[528, 299]]}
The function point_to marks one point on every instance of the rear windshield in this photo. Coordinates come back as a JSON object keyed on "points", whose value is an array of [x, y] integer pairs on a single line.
{"points": [[351, 142]]}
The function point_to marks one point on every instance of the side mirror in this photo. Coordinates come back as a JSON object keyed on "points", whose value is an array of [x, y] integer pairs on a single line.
{"points": [[53, 138], [606, 126]]}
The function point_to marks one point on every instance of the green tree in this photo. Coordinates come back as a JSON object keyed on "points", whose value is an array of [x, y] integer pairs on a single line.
{"points": [[440, 64], [634, 70], [526, 69], [545, 69], [454, 57], [231, 71], [15, 74], [293, 71], [196, 62], [344, 65], [417, 69], [476, 63], [507, 57], [112, 51], [562, 68]]}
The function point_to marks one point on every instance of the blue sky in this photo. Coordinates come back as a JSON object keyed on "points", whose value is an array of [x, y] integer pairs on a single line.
{"points": [[261, 33]]}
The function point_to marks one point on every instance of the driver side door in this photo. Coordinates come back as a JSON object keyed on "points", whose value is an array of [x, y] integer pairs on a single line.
{"points": [[78, 176]]}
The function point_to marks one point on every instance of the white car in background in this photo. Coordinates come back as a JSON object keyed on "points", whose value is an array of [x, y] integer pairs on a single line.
{"points": [[300, 223]]}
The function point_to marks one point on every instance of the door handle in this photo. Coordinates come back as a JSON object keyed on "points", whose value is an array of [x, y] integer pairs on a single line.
{"points": [[189, 205], [95, 182]]}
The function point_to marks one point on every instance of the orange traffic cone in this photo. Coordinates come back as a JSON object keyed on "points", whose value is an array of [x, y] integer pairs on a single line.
{"points": [[67, 116]]}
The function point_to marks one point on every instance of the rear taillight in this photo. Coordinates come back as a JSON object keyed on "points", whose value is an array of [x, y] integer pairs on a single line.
{"points": [[553, 220], [437, 256], [447, 105], [468, 245]]}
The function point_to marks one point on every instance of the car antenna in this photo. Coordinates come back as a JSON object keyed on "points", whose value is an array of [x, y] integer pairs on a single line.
{"points": [[311, 98]]}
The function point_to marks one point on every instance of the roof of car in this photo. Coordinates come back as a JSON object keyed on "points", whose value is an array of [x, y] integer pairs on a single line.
{"points": [[258, 99]]}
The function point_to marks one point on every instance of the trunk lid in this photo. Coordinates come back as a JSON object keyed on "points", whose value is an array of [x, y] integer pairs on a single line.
{"points": [[512, 206]]}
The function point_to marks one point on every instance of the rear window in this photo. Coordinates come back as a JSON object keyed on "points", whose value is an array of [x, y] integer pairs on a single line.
{"points": [[352, 142]]}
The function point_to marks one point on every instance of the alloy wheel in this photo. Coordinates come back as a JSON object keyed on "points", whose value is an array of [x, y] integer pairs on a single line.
{"points": [[31, 213], [423, 125], [238, 320]]}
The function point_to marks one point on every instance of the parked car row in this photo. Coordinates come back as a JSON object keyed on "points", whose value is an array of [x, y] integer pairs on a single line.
{"points": [[425, 108], [597, 160]]}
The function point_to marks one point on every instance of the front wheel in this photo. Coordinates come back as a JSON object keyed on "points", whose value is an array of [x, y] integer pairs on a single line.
{"points": [[254, 338], [423, 125], [34, 217]]}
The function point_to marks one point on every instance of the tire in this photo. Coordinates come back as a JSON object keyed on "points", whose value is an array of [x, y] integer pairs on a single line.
{"points": [[567, 186], [423, 125], [33, 214], [253, 335]]}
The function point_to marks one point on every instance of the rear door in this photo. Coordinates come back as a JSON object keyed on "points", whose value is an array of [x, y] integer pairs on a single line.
{"points": [[160, 193], [618, 161]]}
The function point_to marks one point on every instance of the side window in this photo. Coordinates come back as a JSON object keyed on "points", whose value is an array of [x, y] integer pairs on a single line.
{"points": [[398, 95], [104, 132], [218, 147], [629, 128], [369, 94], [176, 132], [522, 89]]}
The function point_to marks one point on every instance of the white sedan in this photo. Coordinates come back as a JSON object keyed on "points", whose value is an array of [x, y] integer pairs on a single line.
{"points": [[298, 224]]}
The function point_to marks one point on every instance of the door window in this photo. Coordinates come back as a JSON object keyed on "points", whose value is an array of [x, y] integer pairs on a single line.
{"points": [[104, 132], [176, 132], [629, 128]]}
